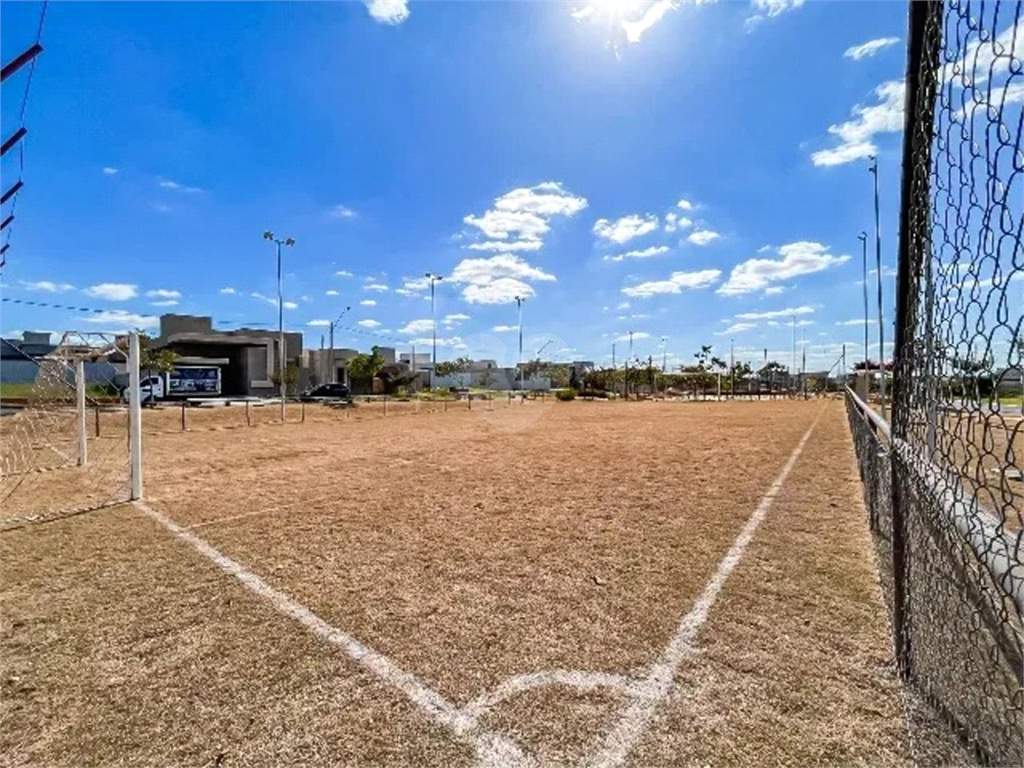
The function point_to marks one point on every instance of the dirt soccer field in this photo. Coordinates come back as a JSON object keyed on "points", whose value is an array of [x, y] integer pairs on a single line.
{"points": [[545, 584]]}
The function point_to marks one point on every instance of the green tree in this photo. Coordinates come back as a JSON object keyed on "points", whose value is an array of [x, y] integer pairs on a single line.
{"points": [[291, 378], [365, 366], [452, 367]]}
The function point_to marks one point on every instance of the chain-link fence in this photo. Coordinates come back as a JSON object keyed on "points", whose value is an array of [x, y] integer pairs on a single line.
{"points": [[945, 493]]}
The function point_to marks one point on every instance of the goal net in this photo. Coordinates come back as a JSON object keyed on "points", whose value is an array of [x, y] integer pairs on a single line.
{"points": [[65, 443]]}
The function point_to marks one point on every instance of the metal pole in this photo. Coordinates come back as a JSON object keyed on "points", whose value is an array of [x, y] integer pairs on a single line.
{"points": [[134, 416], [519, 301], [83, 438], [863, 237], [878, 267], [792, 373], [280, 332], [923, 54], [732, 369], [332, 374], [628, 361]]}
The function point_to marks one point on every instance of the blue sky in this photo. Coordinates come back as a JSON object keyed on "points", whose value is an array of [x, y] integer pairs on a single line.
{"points": [[690, 171]]}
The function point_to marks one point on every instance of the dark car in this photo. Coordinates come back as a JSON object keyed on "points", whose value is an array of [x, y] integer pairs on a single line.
{"points": [[326, 392]]}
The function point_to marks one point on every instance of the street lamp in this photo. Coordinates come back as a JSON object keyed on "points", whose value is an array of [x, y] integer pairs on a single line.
{"points": [[873, 169], [863, 237], [433, 322], [268, 235], [519, 303]]}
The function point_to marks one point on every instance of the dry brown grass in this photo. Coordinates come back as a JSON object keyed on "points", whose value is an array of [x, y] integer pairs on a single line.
{"points": [[468, 547]]}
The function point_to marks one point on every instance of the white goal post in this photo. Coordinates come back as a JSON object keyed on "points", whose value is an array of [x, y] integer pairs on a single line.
{"points": [[70, 442]]}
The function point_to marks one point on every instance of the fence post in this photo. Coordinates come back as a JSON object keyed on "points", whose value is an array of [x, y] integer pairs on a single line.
{"points": [[183, 426], [134, 416], [83, 440], [302, 412], [385, 405], [919, 114], [248, 420], [97, 410]]}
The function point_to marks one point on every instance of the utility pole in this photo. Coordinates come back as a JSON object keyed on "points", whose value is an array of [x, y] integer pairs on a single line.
{"points": [[732, 369], [792, 372], [878, 265], [664, 355], [628, 359], [268, 235], [863, 237], [433, 323], [519, 304], [334, 368]]}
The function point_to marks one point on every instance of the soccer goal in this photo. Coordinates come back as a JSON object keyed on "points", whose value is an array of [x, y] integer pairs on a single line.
{"points": [[70, 441]]}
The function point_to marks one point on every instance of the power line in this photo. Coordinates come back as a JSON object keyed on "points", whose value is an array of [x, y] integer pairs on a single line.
{"points": [[21, 128], [29, 303]]}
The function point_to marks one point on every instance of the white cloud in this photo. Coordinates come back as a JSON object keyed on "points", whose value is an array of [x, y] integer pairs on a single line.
{"points": [[453, 342], [109, 171], [450, 321], [416, 285], [112, 291], [856, 135], [502, 246], [49, 287], [505, 328], [168, 184], [684, 205], [870, 48], [319, 323], [123, 320], [851, 322], [676, 282], [637, 335], [331, 292], [342, 212], [801, 323], [165, 303], [625, 229], [273, 302], [737, 328], [622, 305], [674, 221], [703, 237], [519, 219], [388, 11], [646, 253], [163, 293], [289, 305], [774, 290], [986, 58], [800, 258], [343, 273], [768, 9], [228, 291], [804, 310], [417, 326], [368, 324], [379, 287], [583, 13], [635, 29], [497, 280], [368, 303], [504, 290]]}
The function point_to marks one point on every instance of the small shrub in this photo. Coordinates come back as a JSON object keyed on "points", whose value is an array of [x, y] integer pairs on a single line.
{"points": [[599, 393], [565, 394]]}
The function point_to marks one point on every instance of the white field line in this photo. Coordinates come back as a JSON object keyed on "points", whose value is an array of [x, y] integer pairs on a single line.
{"points": [[648, 694]]}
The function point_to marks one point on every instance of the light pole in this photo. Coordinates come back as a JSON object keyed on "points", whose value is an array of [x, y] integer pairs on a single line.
{"points": [[873, 168], [793, 374], [863, 237], [732, 369], [628, 359], [433, 323], [334, 370], [519, 304], [268, 235]]}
